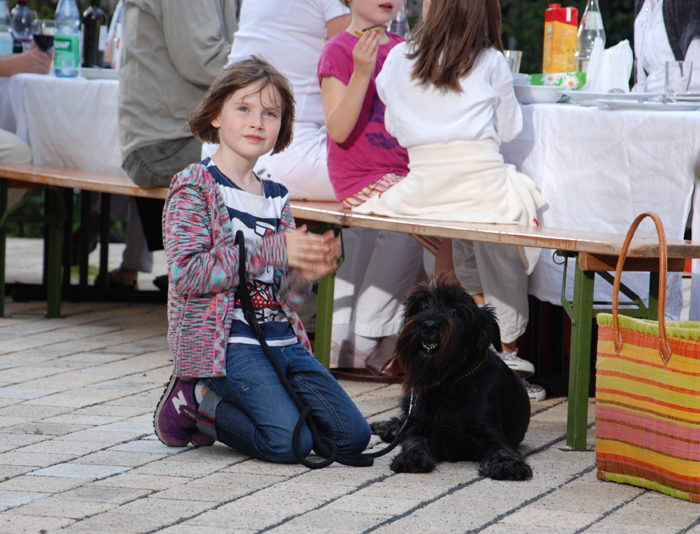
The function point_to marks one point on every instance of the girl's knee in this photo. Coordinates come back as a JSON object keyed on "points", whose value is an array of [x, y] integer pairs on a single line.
{"points": [[358, 438], [278, 447]]}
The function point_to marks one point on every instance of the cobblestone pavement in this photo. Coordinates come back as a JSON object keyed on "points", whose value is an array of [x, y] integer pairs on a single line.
{"points": [[78, 454]]}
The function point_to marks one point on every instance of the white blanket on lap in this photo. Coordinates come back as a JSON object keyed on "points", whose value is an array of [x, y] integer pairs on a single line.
{"points": [[463, 181]]}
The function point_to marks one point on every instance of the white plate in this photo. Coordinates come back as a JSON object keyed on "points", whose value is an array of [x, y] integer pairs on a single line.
{"points": [[649, 106], [99, 74], [589, 98], [537, 94]]}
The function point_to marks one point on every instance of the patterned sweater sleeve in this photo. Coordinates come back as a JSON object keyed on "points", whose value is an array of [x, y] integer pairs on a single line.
{"points": [[200, 259], [294, 288]]}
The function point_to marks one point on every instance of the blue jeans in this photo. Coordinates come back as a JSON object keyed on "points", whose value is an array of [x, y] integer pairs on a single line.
{"points": [[250, 411]]}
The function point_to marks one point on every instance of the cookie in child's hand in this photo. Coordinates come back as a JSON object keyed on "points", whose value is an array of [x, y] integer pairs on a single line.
{"points": [[377, 28]]}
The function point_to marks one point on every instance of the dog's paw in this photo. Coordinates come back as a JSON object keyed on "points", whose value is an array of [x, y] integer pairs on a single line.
{"points": [[386, 430], [505, 466], [412, 463]]}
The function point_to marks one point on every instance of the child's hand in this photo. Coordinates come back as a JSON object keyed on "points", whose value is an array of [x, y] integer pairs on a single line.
{"points": [[313, 255], [364, 55]]}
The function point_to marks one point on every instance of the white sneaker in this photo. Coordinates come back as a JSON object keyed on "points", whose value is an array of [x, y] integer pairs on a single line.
{"points": [[535, 391], [520, 366]]}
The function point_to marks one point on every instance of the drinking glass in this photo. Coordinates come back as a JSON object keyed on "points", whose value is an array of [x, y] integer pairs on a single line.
{"points": [[513, 58], [678, 74], [43, 32]]}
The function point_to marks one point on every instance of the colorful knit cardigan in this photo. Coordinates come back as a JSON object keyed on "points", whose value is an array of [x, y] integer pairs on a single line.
{"points": [[203, 273]]}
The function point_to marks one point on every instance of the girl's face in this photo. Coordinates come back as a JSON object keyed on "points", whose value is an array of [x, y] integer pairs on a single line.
{"points": [[366, 13], [249, 121]]}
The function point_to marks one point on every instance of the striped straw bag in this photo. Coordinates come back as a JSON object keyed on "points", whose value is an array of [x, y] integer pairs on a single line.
{"points": [[648, 394]]}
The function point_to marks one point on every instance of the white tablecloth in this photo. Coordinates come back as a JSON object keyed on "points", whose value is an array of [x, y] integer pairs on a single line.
{"points": [[597, 168], [66, 121]]}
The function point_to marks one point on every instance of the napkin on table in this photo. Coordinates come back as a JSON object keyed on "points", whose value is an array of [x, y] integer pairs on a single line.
{"points": [[609, 69]]}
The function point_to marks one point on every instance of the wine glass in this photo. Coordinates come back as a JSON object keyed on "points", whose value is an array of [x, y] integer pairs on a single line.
{"points": [[678, 76], [43, 32]]}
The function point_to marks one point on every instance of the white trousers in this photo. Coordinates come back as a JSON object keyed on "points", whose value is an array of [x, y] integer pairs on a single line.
{"points": [[498, 272], [380, 268], [14, 150], [302, 167]]}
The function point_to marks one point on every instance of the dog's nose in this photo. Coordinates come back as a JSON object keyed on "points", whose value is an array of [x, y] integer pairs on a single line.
{"points": [[429, 327]]}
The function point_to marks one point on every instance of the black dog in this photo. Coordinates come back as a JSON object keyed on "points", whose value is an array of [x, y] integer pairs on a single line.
{"points": [[468, 404]]}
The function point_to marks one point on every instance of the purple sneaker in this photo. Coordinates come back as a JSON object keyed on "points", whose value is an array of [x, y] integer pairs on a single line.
{"points": [[200, 439], [175, 417]]}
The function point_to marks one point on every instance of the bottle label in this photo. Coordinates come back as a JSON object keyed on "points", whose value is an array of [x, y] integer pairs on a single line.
{"points": [[594, 21], [102, 43], [66, 51]]}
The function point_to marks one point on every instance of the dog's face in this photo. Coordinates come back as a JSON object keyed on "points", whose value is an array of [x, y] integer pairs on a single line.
{"points": [[443, 329]]}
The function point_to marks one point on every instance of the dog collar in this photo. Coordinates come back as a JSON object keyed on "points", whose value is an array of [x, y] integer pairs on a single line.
{"points": [[472, 371]]}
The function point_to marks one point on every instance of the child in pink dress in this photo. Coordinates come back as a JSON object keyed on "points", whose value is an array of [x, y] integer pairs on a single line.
{"points": [[364, 160]]}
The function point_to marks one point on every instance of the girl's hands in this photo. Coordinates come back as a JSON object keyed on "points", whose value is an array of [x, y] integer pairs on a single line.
{"points": [[313, 255], [364, 55]]}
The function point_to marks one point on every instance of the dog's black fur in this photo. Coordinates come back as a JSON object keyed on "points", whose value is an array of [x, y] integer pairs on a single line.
{"points": [[469, 404]]}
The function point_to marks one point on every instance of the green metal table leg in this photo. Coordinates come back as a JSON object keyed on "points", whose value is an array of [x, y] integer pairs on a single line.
{"points": [[653, 308], [3, 243], [579, 368], [324, 320], [54, 252]]}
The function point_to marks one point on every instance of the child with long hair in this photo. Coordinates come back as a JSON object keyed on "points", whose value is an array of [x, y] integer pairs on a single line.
{"points": [[364, 160], [450, 101], [223, 386]]}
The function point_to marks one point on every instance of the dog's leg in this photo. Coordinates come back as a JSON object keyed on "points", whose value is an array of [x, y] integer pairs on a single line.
{"points": [[503, 463], [387, 430], [415, 456]]}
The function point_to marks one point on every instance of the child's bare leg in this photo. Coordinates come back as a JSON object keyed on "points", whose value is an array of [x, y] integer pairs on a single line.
{"points": [[443, 262]]}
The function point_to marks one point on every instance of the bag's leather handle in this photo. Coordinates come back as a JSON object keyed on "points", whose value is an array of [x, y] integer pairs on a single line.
{"points": [[664, 347]]}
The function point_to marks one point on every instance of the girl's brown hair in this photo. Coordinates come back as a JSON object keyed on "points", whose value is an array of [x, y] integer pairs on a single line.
{"points": [[449, 41], [238, 76]]}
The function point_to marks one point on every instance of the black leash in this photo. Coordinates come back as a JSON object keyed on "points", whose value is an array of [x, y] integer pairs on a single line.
{"points": [[323, 446]]}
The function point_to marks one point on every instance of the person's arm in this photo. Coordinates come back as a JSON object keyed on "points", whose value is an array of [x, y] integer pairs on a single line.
{"points": [[199, 265], [693, 54], [33, 61], [194, 36], [342, 104], [295, 283], [507, 117], [337, 25]]}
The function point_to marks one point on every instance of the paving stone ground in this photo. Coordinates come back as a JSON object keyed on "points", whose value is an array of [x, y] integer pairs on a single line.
{"points": [[78, 454]]}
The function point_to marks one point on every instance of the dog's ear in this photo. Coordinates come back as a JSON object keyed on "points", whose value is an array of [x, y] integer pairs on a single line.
{"points": [[489, 332]]}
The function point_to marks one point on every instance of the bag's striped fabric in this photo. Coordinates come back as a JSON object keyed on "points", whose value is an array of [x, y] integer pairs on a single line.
{"points": [[648, 414], [377, 188]]}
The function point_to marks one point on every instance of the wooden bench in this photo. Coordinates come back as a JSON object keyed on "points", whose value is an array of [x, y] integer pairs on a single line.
{"points": [[58, 184], [594, 253]]}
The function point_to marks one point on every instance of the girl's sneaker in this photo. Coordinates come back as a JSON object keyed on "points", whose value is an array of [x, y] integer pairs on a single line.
{"points": [[535, 391], [175, 418], [520, 366]]}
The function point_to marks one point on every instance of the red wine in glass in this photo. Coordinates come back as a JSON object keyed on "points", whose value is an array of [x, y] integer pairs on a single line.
{"points": [[44, 42]]}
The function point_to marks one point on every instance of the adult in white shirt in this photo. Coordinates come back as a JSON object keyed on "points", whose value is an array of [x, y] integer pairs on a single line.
{"points": [[665, 30], [290, 34]]}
